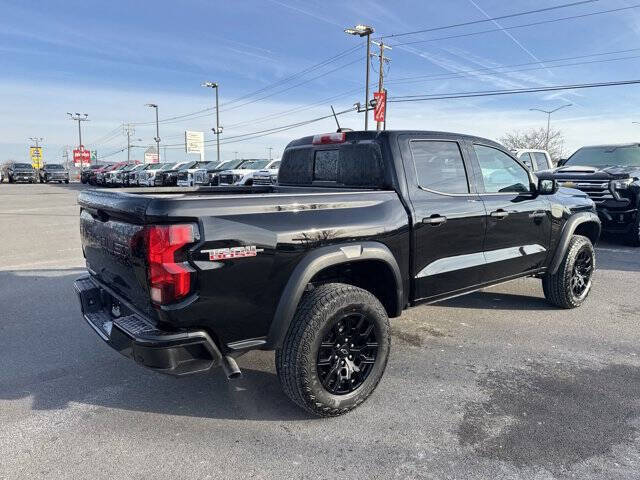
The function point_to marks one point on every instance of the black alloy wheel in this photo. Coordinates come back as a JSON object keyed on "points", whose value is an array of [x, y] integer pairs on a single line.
{"points": [[582, 272], [347, 353]]}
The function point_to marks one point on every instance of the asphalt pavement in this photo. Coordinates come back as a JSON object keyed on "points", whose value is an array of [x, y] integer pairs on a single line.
{"points": [[496, 384]]}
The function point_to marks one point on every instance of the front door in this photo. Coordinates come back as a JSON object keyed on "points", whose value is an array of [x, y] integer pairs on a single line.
{"points": [[449, 218], [518, 220]]}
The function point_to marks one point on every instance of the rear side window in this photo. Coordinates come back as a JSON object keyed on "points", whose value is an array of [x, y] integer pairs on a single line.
{"points": [[540, 160], [439, 166], [325, 166]]}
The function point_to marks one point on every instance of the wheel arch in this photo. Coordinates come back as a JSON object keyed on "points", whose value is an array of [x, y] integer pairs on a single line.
{"points": [[583, 223], [321, 263]]}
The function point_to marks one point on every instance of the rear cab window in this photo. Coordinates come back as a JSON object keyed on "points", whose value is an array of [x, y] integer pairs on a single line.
{"points": [[356, 164]]}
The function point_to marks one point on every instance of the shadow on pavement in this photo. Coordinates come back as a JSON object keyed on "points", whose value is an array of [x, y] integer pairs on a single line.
{"points": [[52, 356], [496, 300]]}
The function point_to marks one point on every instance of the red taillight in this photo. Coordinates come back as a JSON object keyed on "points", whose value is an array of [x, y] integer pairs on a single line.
{"points": [[327, 138], [169, 279]]}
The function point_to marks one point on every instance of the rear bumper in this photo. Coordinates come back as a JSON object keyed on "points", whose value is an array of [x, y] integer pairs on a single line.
{"points": [[132, 335]]}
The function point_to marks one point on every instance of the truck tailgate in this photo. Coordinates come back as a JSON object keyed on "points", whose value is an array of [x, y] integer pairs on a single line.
{"points": [[115, 254]]}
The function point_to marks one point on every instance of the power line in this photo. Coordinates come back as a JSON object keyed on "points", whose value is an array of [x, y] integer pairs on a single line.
{"points": [[492, 19], [490, 93], [263, 89], [524, 25], [489, 70]]}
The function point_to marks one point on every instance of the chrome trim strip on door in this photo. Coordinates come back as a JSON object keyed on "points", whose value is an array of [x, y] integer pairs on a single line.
{"points": [[460, 262]]}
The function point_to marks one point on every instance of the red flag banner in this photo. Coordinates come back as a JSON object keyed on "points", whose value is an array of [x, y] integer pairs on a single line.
{"points": [[381, 102]]}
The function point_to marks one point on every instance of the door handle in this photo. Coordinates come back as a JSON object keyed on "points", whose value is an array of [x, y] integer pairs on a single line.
{"points": [[434, 220], [500, 214], [537, 215]]}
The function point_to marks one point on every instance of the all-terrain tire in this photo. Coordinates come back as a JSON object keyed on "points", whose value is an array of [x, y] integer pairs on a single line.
{"points": [[317, 313], [558, 288], [633, 237]]}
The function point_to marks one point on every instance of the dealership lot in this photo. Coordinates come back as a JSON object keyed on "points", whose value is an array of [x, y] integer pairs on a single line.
{"points": [[495, 384]]}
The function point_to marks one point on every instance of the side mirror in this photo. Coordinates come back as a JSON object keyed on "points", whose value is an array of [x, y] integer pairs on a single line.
{"points": [[561, 162], [547, 186]]}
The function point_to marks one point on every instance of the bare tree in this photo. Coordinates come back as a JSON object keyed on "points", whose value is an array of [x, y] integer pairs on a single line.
{"points": [[536, 138]]}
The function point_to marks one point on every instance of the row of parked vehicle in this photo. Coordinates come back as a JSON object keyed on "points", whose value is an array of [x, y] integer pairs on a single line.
{"points": [[183, 174], [15, 172]]}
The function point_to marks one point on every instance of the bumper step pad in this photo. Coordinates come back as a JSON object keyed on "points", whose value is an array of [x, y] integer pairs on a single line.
{"points": [[174, 353]]}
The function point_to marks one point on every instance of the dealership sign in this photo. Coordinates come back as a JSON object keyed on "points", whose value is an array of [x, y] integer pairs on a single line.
{"points": [[81, 157], [194, 143], [36, 157], [151, 155]]}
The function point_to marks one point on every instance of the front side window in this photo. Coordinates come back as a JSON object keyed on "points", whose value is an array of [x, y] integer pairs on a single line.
{"points": [[500, 172], [439, 166]]}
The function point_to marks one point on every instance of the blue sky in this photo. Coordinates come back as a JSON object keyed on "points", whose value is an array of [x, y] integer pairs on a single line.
{"points": [[110, 58]]}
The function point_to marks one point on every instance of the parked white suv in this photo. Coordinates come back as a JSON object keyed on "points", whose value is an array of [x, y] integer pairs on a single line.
{"points": [[534, 159], [245, 174]]}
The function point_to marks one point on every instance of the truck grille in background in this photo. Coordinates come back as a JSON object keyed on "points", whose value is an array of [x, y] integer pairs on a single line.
{"points": [[598, 190], [199, 177], [226, 179], [263, 180]]}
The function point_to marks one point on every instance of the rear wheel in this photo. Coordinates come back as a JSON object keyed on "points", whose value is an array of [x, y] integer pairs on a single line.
{"points": [[571, 284], [335, 351]]}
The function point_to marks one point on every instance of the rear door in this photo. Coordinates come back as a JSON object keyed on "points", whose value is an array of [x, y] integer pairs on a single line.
{"points": [[518, 221], [449, 216]]}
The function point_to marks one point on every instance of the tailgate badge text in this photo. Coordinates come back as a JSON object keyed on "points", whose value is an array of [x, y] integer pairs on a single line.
{"points": [[233, 252]]}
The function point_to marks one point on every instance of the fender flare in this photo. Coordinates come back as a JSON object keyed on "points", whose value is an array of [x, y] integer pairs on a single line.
{"points": [[318, 260], [567, 232]]}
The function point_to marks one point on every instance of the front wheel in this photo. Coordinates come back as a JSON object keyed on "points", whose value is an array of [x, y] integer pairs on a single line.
{"points": [[335, 351], [634, 234], [571, 284]]}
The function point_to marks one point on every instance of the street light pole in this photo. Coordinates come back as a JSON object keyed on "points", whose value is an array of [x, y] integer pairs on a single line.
{"points": [[549, 112], [218, 129], [77, 117], [157, 137], [364, 31]]}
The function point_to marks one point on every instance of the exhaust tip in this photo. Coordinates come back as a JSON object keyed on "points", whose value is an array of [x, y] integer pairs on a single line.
{"points": [[230, 367]]}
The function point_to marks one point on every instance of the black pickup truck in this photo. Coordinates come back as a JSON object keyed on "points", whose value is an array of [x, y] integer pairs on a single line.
{"points": [[610, 175], [361, 226]]}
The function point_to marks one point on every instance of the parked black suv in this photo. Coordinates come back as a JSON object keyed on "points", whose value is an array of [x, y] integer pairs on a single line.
{"points": [[19, 172], [610, 175], [361, 226], [86, 173], [54, 172]]}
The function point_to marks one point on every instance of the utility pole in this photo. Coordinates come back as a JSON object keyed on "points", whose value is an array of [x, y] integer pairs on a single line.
{"points": [[77, 117], [236, 154], [383, 59], [218, 129], [270, 150], [364, 31], [128, 130], [549, 112], [157, 137]]}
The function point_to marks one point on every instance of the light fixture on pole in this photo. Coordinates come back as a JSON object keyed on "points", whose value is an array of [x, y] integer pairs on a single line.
{"points": [[549, 112], [364, 31], [218, 129], [157, 137]]}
